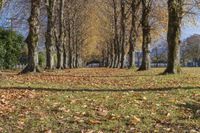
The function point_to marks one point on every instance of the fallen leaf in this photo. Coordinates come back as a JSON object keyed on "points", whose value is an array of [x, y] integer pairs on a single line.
{"points": [[102, 113], [135, 120], [94, 122]]}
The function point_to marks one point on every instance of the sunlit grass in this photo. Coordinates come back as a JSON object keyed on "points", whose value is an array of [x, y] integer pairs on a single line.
{"points": [[108, 110]]}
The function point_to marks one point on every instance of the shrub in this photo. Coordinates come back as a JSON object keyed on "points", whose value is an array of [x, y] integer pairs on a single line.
{"points": [[10, 48]]}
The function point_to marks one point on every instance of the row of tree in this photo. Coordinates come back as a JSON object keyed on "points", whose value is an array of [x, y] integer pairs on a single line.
{"points": [[128, 24], [142, 21], [64, 33]]}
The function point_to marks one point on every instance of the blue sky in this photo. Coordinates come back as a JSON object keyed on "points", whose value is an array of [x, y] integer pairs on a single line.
{"points": [[189, 30]]}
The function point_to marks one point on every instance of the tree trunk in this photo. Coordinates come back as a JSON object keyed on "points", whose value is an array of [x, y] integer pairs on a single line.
{"points": [[65, 59], [59, 56], [115, 53], [33, 37], [175, 9], [50, 34], [111, 55], [123, 28], [76, 51], [69, 47], [146, 28], [116, 37], [61, 37], [131, 50], [133, 33], [107, 55]]}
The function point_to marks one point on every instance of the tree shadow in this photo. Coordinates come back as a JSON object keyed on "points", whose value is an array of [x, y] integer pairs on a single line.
{"points": [[194, 107], [100, 76], [100, 90]]}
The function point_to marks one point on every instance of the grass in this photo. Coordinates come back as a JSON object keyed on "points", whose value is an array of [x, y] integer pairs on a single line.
{"points": [[100, 100]]}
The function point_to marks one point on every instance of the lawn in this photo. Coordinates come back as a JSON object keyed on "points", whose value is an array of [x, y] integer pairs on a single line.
{"points": [[100, 100]]}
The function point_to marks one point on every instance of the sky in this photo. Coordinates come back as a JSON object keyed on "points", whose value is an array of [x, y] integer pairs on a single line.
{"points": [[189, 30]]}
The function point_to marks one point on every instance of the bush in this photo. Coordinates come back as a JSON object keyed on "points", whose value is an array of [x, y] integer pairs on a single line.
{"points": [[10, 48]]}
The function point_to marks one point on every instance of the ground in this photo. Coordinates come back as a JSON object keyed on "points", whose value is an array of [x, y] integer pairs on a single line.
{"points": [[100, 100]]}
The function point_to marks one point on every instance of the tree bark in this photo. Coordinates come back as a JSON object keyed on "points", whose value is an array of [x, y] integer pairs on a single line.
{"points": [[111, 54], [50, 34], [133, 33], [61, 37], [146, 28], [116, 37], [123, 28], [76, 51], [65, 59], [69, 47], [33, 38], [175, 9]]}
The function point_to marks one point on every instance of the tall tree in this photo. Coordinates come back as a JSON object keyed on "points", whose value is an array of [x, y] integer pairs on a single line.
{"points": [[123, 31], [175, 9], [146, 29], [133, 32], [50, 5], [59, 45], [33, 37], [116, 36]]}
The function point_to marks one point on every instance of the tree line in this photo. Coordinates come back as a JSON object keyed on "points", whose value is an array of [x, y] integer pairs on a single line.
{"points": [[129, 23], [64, 33], [135, 22]]}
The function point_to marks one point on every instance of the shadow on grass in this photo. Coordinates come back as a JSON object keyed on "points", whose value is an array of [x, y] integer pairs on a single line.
{"points": [[103, 76], [194, 107], [101, 90]]}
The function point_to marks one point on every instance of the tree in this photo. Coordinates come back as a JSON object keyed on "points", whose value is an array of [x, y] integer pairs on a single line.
{"points": [[175, 9], [60, 35], [116, 36], [146, 29], [50, 41], [33, 37], [190, 50], [123, 31], [75, 29], [135, 4]]}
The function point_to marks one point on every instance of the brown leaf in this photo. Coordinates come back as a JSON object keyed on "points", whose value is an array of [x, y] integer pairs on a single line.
{"points": [[102, 113], [135, 120], [94, 122]]}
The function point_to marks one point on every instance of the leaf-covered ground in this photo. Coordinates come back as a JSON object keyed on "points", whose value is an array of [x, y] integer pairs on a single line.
{"points": [[100, 100]]}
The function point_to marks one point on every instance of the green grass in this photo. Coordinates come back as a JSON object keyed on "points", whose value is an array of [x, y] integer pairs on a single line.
{"points": [[152, 109]]}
